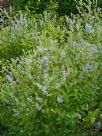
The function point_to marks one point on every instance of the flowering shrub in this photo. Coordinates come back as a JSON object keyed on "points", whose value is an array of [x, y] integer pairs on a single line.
{"points": [[54, 86]]}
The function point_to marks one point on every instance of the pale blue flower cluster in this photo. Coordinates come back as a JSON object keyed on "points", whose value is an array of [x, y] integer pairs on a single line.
{"points": [[83, 42], [93, 49], [89, 28], [2, 21], [64, 73], [44, 60], [59, 100], [38, 107], [88, 67], [10, 78]]}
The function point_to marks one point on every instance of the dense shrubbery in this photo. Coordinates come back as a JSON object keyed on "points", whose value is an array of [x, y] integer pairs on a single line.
{"points": [[51, 85], [62, 7]]}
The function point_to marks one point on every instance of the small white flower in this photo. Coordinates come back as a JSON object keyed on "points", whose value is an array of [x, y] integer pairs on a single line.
{"points": [[79, 116], [9, 78], [98, 9], [39, 85], [28, 60], [88, 7], [44, 90], [89, 28], [63, 53], [16, 113], [30, 100], [39, 99], [59, 100], [100, 115], [30, 76], [41, 49], [38, 107], [77, 26], [1, 41], [64, 73]]}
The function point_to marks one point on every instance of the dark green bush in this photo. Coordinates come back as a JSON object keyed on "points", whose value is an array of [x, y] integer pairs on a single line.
{"points": [[61, 6]]}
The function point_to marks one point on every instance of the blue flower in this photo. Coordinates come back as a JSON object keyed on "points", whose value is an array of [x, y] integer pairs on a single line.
{"points": [[88, 67], [83, 42], [93, 49], [89, 28], [10, 78], [2, 20]]}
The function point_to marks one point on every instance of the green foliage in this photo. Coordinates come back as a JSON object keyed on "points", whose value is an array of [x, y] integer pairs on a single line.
{"points": [[63, 6], [52, 84]]}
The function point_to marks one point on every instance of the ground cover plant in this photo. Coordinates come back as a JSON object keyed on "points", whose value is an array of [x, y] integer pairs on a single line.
{"points": [[50, 74]]}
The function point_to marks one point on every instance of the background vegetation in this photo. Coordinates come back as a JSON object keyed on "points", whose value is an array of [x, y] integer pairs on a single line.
{"points": [[62, 7]]}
